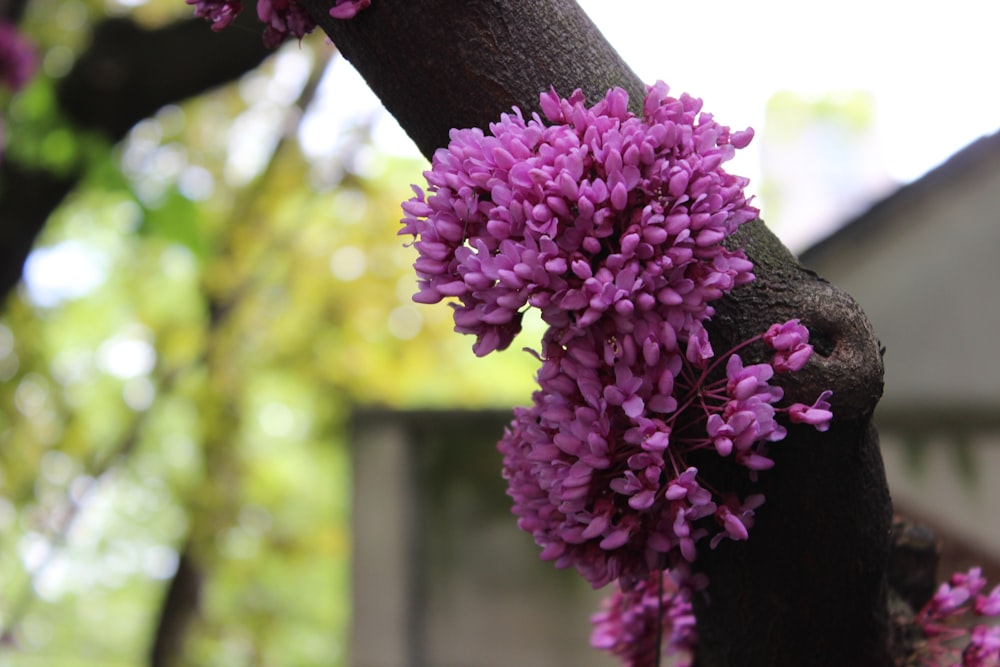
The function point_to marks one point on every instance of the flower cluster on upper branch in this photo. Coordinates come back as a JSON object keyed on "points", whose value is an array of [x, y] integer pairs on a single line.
{"points": [[282, 18]]}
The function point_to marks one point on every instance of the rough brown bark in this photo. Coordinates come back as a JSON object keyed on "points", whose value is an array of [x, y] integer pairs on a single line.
{"points": [[809, 587]]}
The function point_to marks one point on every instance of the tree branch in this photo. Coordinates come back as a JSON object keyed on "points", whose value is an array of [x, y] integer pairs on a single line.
{"points": [[450, 63], [179, 607], [809, 587], [129, 72], [126, 74], [12, 10]]}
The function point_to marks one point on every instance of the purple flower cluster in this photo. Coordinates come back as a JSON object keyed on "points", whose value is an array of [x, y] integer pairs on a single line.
{"points": [[597, 466], [612, 226], [941, 620], [631, 623], [282, 18], [595, 217], [17, 58], [348, 9], [220, 13]]}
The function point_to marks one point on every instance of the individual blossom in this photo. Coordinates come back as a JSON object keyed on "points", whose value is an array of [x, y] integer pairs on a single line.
{"points": [[984, 647], [736, 517], [283, 19], [219, 13], [650, 620], [348, 9], [17, 57], [988, 605], [818, 414], [945, 624], [952, 597], [791, 344]]}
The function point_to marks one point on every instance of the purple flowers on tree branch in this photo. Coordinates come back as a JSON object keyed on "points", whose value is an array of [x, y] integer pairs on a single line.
{"points": [[612, 226], [282, 18]]}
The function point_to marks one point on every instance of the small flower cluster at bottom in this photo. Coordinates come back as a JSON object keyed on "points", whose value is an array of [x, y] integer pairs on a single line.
{"points": [[633, 624], [612, 225], [598, 467], [282, 18], [941, 621]]}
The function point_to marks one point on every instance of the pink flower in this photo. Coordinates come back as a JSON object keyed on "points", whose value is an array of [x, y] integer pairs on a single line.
{"points": [[790, 342], [220, 13], [988, 605], [786, 336], [745, 383], [942, 621], [17, 57], [283, 19], [630, 622], [736, 518], [972, 581], [984, 647], [818, 414], [348, 9]]}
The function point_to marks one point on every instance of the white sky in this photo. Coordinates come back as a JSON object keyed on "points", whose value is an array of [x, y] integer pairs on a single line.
{"points": [[931, 67]]}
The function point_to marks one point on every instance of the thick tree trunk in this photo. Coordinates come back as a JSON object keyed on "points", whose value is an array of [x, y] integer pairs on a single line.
{"points": [[809, 587]]}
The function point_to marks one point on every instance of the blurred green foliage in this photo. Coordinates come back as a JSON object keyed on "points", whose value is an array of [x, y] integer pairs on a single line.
{"points": [[178, 368]]}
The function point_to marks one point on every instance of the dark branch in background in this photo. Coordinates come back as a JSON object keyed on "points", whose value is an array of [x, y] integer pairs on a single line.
{"points": [[27, 197], [126, 74], [810, 586], [12, 10], [129, 72], [179, 608]]}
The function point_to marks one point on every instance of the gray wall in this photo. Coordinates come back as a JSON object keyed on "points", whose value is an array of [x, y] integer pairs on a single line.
{"points": [[442, 576], [925, 266]]}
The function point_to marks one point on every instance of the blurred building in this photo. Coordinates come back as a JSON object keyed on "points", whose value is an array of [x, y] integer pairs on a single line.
{"points": [[821, 163], [924, 263], [441, 574]]}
